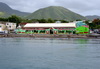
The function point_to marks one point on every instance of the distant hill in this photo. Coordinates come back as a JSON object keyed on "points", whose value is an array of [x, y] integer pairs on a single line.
{"points": [[55, 12], [6, 11], [92, 17]]}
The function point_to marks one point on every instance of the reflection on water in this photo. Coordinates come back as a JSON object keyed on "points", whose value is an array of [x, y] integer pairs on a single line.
{"points": [[82, 41], [49, 53]]}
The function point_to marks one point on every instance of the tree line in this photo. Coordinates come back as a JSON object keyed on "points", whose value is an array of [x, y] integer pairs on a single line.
{"points": [[94, 24], [17, 20]]}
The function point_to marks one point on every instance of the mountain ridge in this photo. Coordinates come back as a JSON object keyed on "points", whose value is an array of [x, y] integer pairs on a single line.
{"points": [[55, 12], [6, 11], [91, 17]]}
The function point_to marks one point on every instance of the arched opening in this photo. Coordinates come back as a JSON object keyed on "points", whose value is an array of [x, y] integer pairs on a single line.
{"points": [[51, 31]]}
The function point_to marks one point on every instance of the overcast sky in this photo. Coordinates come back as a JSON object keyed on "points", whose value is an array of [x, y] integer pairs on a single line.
{"points": [[83, 7]]}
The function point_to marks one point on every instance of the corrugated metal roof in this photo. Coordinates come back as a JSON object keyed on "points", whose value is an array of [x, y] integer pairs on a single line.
{"points": [[50, 25]]}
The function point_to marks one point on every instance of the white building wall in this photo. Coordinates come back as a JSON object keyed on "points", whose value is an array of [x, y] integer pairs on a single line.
{"points": [[11, 26]]}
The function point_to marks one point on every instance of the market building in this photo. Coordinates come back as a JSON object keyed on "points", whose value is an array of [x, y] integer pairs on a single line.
{"points": [[54, 28]]}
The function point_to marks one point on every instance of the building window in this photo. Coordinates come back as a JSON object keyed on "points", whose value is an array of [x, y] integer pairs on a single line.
{"points": [[9, 26]]}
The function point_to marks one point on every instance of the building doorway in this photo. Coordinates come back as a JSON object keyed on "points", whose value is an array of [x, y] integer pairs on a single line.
{"points": [[51, 31]]}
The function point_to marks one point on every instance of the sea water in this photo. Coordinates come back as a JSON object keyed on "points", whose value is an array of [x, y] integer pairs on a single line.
{"points": [[49, 53]]}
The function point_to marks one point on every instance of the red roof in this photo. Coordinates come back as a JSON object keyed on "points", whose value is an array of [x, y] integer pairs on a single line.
{"points": [[22, 23]]}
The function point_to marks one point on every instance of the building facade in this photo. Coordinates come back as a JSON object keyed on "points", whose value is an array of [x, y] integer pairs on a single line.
{"points": [[6, 27], [10, 26], [54, 28], [3, 29]]}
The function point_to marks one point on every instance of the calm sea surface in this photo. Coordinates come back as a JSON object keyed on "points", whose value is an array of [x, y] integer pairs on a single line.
{"points": [[49, 53]]}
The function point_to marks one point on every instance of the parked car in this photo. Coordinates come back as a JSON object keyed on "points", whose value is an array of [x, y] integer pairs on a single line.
{"points": [[97, 31]]}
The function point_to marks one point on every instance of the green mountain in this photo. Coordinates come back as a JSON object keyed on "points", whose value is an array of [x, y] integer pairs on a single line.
{"points": [[55, 12], [6, 11]]}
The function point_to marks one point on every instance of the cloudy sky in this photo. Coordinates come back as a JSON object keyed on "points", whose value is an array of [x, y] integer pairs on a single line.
{"points": [[83, 7]]}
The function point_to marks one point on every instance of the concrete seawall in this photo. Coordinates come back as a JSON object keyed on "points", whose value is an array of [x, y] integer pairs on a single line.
{"points": [[47, 35]]}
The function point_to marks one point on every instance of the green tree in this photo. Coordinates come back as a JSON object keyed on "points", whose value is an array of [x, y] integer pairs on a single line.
{"points": [[78, 19], [3, 19], [42, 21], [50, 20], [91, 25], [15, 19], [27, 21], [64, 21], [96, 23], [34, 20]]}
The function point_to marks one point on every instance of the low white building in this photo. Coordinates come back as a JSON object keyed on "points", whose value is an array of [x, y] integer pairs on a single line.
{"points": [[10, 26], [3, 28], [7, 26]]}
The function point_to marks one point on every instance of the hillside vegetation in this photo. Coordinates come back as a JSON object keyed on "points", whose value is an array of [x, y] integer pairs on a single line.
{"points": [[55, 12]]}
